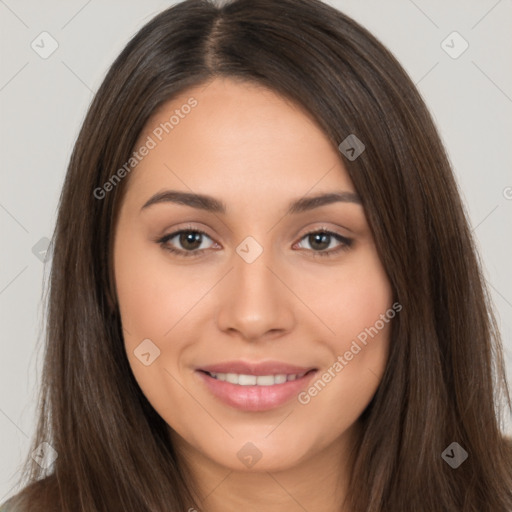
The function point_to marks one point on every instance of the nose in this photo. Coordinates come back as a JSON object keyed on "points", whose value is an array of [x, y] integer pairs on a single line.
{"points": [[254, 300]]}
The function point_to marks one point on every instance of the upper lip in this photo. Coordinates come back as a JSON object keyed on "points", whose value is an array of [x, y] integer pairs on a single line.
{"points": [[256, 368]]}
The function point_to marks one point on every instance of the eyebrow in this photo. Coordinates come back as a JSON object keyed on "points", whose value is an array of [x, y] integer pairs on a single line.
{"points": [[211, 204]]}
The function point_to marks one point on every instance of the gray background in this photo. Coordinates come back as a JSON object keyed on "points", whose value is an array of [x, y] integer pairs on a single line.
{"points": [[43, 102]]}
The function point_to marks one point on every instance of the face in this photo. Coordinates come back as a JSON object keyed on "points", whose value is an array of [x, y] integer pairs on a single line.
{"points": [[258, 330]]}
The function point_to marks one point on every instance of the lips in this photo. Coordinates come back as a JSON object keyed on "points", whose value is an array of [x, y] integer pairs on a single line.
{"points": [[255, 387]]}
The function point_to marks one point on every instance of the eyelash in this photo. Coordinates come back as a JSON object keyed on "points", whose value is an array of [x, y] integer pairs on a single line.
{"points": [[346, 243]]}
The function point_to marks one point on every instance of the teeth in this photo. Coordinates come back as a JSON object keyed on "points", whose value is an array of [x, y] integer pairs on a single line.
{"points": [[255, 380], [231, 377], [247, 380], [279, 379], [267, 380]]}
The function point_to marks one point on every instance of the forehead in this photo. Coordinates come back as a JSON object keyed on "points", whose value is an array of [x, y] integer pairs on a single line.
{"points": [[238, 137]]}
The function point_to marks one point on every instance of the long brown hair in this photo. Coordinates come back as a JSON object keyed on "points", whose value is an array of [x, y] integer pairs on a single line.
{"points": [[445, 379]]}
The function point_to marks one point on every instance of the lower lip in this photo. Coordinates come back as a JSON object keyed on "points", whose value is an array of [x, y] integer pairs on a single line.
{"points": [[255, 398]]}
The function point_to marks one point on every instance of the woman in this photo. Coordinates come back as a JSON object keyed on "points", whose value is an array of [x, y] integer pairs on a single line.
{"points": [[327, 345]]}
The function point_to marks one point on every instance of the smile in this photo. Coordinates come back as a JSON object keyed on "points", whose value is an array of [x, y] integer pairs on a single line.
{"points": [[255, 393], [255, 380]]}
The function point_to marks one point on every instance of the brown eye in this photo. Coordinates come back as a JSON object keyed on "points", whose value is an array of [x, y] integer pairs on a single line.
{"points": [[189, 242], [320, 240]]}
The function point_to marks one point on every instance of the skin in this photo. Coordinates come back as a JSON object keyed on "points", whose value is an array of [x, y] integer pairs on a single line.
{"points": [[256, 152]]}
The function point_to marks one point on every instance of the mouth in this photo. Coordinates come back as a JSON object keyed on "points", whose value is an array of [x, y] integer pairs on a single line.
{"points": [[260, 390], [244, 379]]}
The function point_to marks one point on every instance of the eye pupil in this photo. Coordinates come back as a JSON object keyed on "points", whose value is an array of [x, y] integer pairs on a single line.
{"points": [[321, 238], [190, 237]]}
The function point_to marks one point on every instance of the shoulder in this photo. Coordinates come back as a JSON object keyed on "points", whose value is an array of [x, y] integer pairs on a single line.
{"points": [[38, 495], [14, 504], [10, 504], [8, 507]]}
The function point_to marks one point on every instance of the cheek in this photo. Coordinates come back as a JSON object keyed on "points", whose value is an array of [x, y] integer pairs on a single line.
{"points": [[149, 309], [360, 313], [158, 301], [153, 295], [358, 308], [354, 297]]}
